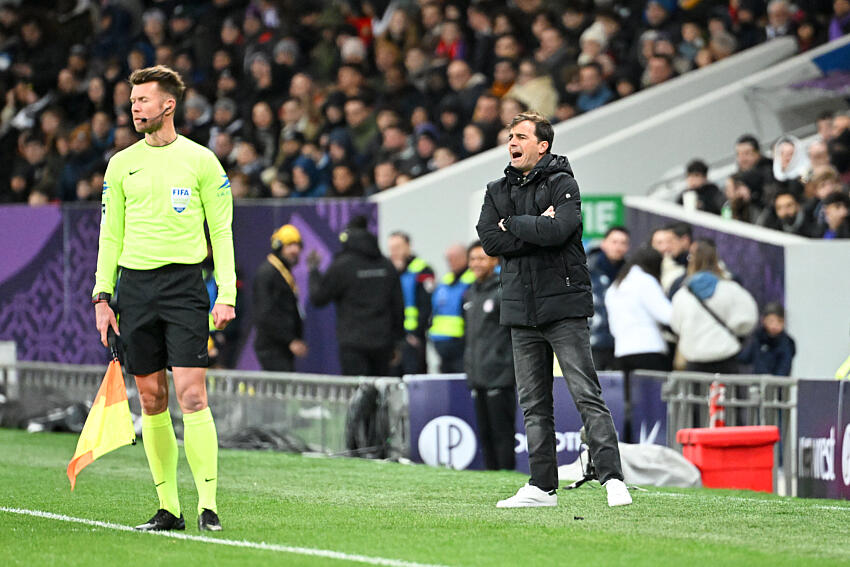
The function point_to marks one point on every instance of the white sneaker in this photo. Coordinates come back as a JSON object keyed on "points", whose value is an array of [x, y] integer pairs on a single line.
{"points": [[529, 496], [618, 493]]}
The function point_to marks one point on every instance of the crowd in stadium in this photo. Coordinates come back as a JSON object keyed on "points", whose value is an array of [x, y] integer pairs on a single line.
{"points": [[803, 190], [336, 99]]}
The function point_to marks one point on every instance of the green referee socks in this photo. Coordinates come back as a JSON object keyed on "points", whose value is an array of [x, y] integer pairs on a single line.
{"points": [[201, 445], [161, 450]]}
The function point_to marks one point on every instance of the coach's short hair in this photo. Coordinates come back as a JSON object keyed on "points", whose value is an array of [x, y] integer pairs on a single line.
{"points": [[167, 78], [542, 127]]}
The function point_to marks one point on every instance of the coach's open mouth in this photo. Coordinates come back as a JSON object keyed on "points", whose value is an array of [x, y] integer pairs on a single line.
{"points": [[516, 154]]}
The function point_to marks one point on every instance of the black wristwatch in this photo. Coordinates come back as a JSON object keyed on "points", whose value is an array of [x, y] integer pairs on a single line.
{"points": [[101, 297]]}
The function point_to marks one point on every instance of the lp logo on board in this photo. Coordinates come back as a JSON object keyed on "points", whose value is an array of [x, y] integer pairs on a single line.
{"points": [[447, 441]]}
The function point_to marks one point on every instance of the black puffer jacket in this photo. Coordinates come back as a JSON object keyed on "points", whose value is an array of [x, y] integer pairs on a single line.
{"points": [[544, 267], [487, 359], [366, 289]]}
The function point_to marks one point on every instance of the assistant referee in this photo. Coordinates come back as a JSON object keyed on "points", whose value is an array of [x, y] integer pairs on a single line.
{"points": [[156, 195]]}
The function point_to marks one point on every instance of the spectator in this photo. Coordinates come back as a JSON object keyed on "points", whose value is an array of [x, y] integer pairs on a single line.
{"points": [[824, 182], [675, 261], [486, 116], [553, 54], [790, 163], [79, 162], [770, 350], [534, 90], [466, 86], [711, 314], [637, 309], [417, 285], [488, 362], [384, 173], [344, 182], [659, 68], [749, 159], [779, 20], [225, 119], [818, 156], [740, 204], [836, 211], [707, 196], [604, 264], [443, 157], [306, 180], [197, 118], [840, 23], [447, 330], [594, 91], [365, 288], [474, 140], [264, 131], [33, 171], [277, 315], [505, 72], [481, 25], [452, 44], [788, 215], [361, 127]]}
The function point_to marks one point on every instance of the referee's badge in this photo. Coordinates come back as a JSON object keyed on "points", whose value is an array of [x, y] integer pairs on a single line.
{"points": [[180, 197]]}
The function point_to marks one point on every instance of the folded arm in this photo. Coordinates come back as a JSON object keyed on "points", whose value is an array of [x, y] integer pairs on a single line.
{"points": [[546, 230], [494, 240]]}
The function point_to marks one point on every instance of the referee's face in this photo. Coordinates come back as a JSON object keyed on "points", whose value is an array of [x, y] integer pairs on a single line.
{"points": [[149, 106]]}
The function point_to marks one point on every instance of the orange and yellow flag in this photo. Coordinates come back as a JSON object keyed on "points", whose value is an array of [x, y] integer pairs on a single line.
{"points": [[109, 424]]}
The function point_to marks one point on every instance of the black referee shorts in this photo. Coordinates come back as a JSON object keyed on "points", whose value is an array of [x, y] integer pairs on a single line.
{"points": [[163, 318]]}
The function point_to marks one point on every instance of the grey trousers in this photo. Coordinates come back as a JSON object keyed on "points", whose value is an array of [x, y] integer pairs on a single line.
{"points": [[533, 349]]}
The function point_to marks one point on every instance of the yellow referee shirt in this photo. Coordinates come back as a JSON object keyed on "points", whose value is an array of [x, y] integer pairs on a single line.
{"points": [[155, 200]]}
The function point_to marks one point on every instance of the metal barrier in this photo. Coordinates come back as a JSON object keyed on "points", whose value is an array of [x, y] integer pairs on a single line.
{"points": [[748, 400], [310, 407]]}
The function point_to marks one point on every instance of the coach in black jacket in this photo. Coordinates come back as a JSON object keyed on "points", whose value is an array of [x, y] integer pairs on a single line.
{"points": [[531, 218], [489, 362], [369, 306]]}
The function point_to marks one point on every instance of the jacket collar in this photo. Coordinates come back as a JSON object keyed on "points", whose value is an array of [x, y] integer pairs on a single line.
{"points": [[516, 177]]}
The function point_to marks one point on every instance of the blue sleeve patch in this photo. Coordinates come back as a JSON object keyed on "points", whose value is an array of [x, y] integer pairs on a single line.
{"points": [[224, 188]]}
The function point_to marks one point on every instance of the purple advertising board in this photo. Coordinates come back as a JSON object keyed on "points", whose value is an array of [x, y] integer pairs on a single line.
{"points": [[649, 410], [823, 439], [50, 253], [443, 430]]}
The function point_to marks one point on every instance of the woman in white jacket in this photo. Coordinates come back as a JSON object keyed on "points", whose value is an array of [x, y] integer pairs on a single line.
{"points": [[637, 309], [711, 314]]}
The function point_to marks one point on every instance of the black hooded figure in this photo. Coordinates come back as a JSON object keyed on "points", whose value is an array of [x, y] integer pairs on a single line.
{"points": [[365, 287]]}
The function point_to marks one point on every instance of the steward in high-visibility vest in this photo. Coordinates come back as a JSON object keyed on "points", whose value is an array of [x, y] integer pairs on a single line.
{"points": [[417, 285], [447, 327]]}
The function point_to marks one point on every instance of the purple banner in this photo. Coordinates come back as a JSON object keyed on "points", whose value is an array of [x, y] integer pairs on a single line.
{"points": [[443, 430], [823, 439], [50, 254], [649, 411], [760, 267]]}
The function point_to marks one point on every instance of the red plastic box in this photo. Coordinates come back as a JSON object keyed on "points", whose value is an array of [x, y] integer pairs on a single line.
{"points": [[732, 457]]}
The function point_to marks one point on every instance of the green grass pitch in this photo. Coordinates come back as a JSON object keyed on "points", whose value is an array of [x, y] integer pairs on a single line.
{"points": [[387, 511]]}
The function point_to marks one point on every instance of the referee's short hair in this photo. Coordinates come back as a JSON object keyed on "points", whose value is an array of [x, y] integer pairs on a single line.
{"points": [[167, 78]]}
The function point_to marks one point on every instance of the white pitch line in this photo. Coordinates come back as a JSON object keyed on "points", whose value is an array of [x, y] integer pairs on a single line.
{"points": [[228, 542]]}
